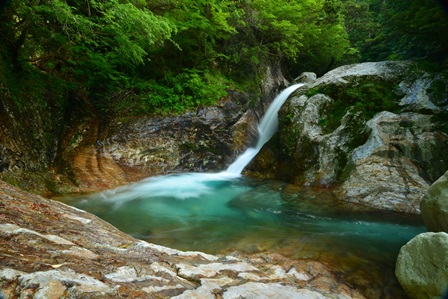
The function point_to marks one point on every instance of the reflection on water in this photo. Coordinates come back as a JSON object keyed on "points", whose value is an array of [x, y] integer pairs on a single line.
{"points": [[221, 213]]}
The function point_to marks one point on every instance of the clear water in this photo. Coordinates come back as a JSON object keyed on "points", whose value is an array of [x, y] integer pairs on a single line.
{"points": [[222, 212]]}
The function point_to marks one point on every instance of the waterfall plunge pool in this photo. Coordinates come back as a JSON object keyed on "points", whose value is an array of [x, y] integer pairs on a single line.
{"points": [[219, 213]]}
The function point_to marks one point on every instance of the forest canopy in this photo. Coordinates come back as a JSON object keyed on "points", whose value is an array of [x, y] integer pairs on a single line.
{"points": [[152, 56]]}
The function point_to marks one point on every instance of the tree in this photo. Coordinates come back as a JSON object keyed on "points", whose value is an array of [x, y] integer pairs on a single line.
{"points": [[405, 30], [87, 42], [155, 55], [360, 24]]}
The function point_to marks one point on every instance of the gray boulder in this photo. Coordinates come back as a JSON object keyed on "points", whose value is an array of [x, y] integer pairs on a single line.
{"points": [[387, 168], [434, 205], [422, 266]]}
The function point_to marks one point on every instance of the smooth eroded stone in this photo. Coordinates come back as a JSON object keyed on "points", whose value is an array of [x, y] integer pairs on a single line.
{"points": [[422, 266]]}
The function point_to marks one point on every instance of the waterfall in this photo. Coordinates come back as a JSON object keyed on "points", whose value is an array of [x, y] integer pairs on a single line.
{"points": [[266, 128]]}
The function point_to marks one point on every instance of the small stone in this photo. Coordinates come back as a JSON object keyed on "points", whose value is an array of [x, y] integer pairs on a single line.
{"points": [[303, 276]]}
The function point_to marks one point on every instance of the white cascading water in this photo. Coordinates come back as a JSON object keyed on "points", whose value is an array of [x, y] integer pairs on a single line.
{"points": [[266, 128]]}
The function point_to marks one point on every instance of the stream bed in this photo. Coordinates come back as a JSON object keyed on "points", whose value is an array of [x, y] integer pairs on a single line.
{"points": [[220, 213]]}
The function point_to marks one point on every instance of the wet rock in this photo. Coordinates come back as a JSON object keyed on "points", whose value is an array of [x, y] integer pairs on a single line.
{"points": [[51, 250], [434, 205], [422, 266], [245, 132]]}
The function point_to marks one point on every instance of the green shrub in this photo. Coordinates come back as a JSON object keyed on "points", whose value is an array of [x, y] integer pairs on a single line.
{"points": [[175, 94]]}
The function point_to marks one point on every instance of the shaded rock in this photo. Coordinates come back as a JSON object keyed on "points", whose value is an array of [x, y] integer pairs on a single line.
{"points": [[427, 93], [434, 205], [51, 250], [245, 132], [29, 139], [273, 83], [185, 143], [422, 266], [89, 167]]}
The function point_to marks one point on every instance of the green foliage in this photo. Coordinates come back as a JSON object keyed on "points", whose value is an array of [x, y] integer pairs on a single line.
{"points": [[171, 55], [360, 25], [367, 98], [30, 90], [399, 29], [312, 91], [175, 93], [309, 35], [93, 44]]}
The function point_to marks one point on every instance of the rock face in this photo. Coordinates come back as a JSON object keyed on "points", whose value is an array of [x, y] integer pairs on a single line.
{"points": [[50, 250], [29, 137], [208, 139], [434, 205], [385, 174], [192, 142], [422, 266], [374, 131]]}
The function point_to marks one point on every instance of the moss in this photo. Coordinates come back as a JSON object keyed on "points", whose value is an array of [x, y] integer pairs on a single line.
{"points": [[367, 98], [312, 91]]}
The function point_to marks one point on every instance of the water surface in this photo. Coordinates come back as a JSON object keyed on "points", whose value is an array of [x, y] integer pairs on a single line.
{"points": [[223, 212]]}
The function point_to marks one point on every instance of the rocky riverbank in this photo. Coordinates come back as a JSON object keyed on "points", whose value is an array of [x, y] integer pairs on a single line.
{"points": [[50, 250]]}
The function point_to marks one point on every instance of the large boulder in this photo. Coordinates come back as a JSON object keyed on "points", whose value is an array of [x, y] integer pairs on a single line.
{"points": [[434, 205], [422, 266], [374, 132], [386, 173]]}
